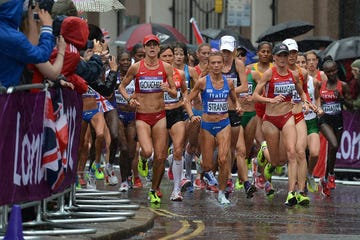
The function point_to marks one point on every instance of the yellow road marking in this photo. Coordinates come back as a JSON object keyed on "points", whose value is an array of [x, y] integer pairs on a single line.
{"points": [[182, 230], [169, 213], [158, 213], [200, 228]]}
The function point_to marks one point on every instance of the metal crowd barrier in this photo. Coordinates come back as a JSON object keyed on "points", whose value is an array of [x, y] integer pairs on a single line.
{"points": [[72, 206]]}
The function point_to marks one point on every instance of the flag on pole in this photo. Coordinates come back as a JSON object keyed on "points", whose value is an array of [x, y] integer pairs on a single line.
{"points": [[196, 31]]}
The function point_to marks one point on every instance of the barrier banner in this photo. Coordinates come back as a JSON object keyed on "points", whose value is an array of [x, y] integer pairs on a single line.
{"points": [[23, 177], [348, 155]]}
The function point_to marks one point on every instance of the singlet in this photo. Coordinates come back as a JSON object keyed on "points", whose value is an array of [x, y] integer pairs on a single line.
{"points": [[130, 89], [233, 75], [278, 84], [330, 100], [215, 100], [91, 93], [187, 76], [148, 81], [177, 81], [251, 84], [255, 67], [296, 97], [198, 70], [311, 90]]}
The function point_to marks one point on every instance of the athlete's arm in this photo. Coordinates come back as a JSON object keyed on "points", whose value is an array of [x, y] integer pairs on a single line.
{"points": [[130, 75], [240, 68]]}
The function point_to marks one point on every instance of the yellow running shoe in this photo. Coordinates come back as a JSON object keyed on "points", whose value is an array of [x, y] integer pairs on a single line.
{"points": [[143, 167], [153, 197], [302, 199], [238, 185], [261, 160]]}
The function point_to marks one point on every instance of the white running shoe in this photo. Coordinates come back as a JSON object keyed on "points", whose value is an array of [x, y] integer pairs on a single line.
{"points": [[176, 197], [124, 187], [222, 199], [110, 176]]}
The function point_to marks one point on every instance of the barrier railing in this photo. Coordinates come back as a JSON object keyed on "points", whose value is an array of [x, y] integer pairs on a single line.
{"points": [[38, 168]]}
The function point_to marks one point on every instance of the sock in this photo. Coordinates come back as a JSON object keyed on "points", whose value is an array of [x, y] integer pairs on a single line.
{"points": [[188, 161], [177, 169]]}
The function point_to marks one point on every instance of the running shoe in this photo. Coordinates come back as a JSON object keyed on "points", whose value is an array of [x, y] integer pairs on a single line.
{"points": [[137, 183], [261, 160], [268, 171], [153, 197], [124, 187], [222, 198], [302, 199], [238, 185], [249, 189], [291, 199], [97, 170], [260, 182], [82, 181], [110, 177], [279, 170], [210, 178], [143, 167], [331, 182], [325, 191], [185, 184], [269, 190], [90, 181], [170, 174], [229, 186], [212, 188], [176, 197], [199, 183], [159, 193], [311, 184]]}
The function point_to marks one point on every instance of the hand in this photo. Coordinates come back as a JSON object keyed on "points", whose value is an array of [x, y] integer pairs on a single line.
{"points": [[98, 48], [195, 119], [165, 87], [61, 44], [239, 110], [278, 99], [112, 63], [320, 112], [134, 103], [66, 84], [45, 18]]}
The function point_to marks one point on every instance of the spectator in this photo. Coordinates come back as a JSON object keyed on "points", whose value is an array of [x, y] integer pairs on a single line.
{"points": [[16, 50], [355, 69]]}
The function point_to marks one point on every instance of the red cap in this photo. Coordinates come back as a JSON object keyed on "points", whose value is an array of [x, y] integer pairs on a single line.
{"points": [[150, 37]]}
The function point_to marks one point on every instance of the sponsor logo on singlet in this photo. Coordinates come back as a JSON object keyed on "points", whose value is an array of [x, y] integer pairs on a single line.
{"points": [[150, 84]]}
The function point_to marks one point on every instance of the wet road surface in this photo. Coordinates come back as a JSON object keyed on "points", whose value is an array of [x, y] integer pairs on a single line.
{"points": [[200, 216]]}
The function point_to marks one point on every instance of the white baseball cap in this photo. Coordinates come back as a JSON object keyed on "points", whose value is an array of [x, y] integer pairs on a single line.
{"points": [[227, 43], [291, 44]]}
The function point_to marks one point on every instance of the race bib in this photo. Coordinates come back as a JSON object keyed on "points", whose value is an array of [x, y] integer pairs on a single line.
{"points": [[331, 108], [150, 84]]}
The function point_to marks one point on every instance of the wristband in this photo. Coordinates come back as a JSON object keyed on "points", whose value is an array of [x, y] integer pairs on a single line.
{"points": [[191, 116], [128, 99]]}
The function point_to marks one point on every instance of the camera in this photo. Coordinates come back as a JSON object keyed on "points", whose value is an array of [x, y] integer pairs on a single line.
{"points": [[90, 44]]}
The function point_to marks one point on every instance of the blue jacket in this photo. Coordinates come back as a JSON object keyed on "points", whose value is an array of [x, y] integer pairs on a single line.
{"points": [[15, 49]]}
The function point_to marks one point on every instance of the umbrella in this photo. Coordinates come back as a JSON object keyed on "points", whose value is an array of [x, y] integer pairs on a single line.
{"points": [[281, 31], [346, 48], [136, 33], [313, 42], [97, 5], [214, 33]]}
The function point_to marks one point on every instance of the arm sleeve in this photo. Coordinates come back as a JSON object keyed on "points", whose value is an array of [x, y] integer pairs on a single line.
{"points": [[105, 88], [90, 70], [19, 47]]}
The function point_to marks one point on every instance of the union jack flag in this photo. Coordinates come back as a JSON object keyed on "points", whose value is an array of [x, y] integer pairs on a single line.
{"points": [[55, 141]]}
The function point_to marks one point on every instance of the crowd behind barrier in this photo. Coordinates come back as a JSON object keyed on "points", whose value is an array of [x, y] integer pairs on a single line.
{"points": [[35, 163]]}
